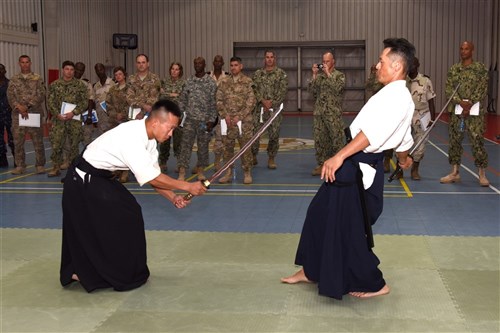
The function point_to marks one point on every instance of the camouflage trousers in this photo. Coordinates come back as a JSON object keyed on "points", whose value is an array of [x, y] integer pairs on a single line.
{"points": [[273, 132], [6, 126], [194, 129], [92, 131], [329, 136], [475, 127], [165, 146], [68, 131], [36, 134], [229, 142], [218, 145], [417, 132]]}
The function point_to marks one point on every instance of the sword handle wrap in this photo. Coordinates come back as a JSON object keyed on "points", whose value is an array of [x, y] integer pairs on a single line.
{"points": [[205, 183]]}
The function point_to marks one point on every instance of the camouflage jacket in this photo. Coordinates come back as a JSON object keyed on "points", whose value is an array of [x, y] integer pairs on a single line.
{"points": [[422, 91], [473, 81], [328, 93], [116, 102], [235, 97], [168, 86], [142, 92], [29, 91], [372, 85], [271, 85], [74, 92], [198, 98]]}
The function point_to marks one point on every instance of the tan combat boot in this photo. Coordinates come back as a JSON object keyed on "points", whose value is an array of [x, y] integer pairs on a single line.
{"points": [[483, 181], [40, 170], [65, 165], [317, 170], [18, 171], [182, 174], [227, 177], [124, 176], [201, 176], [247, 178], [271, 164], [414, 171], [453, 177], [56, 171]]}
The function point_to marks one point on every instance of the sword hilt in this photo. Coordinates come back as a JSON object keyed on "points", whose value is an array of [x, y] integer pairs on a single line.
{"points": [[205, 183]]}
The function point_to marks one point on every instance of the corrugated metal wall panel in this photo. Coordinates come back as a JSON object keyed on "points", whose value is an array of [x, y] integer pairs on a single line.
{"points": [[9, 57]]}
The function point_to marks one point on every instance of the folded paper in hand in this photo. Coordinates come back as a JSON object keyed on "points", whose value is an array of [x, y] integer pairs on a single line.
{"points": [[69, 107], [474, 110], [32, 121]]}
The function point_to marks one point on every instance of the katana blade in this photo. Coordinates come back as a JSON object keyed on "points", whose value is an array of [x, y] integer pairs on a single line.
{"points": [[240, 153], [426, 134]]}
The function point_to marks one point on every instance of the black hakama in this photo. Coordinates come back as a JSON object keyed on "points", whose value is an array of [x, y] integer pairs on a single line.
{"points": [[333, 247], [103, 241]]}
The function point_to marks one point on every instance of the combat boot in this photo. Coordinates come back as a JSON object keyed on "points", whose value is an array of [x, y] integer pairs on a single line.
{"points": [[182, 174], [483, 181], [227, 177], [65, 165], [453, 177], [271, 164], [414, 171], [123, 176], [18, 171], [247, 178], [201, 176], [56, 171], [40, 170], [317, 170]]}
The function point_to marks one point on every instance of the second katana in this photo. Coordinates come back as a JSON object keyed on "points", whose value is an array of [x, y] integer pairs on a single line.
{"points": [[240, 153]]}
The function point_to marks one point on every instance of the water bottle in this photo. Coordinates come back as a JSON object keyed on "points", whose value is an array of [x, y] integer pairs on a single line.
{"points": [[462, 124]]}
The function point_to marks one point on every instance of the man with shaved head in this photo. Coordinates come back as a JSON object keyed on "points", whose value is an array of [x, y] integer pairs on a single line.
{"points": [[473, 79]]}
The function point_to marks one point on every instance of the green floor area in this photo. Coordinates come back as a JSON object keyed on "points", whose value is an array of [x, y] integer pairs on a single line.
{"points": [[229, 282]]}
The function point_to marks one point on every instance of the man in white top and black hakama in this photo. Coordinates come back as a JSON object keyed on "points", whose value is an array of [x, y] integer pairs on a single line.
{"points": [[333, 249], [104, 243]]}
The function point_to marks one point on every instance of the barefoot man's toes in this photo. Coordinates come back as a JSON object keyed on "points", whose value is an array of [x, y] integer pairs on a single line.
{"points": [[75, 277], [384, 291], [300, 276]]}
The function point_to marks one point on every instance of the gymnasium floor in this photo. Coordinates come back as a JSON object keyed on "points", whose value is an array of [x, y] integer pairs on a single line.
{"points": [[215, 266]]}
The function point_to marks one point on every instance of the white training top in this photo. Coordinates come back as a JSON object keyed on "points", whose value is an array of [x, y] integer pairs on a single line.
{"points": [[126, 147], [386, 119]]}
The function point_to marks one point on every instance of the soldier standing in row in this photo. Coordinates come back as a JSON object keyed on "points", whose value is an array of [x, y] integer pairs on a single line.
{"points": [[26, 95], [473, 78], [101, 89], [327, 88], [64, 127], [88, 127], [197, 101], [235, 104], [270, 86], [171, 89], [5, 119], [143, 87], [422, 93]]}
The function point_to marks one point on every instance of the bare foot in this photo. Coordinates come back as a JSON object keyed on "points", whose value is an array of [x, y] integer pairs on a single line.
{"points": [[384, 291], [300, 276], [75, 277]]}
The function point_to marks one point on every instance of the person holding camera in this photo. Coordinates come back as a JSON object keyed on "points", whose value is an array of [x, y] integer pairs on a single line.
{"points": [[327, 86], [197, 101]]}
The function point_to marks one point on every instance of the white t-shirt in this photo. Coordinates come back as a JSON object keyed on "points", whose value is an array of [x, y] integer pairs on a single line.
{"points": [[126, 147], [386, 118]]}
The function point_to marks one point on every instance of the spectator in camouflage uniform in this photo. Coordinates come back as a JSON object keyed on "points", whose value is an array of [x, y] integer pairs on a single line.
{"points": [[197, 101], [235, 104], [101, 90], [26, 95], [5, 119], [270, 86], [171, 89], [218, 75], [116, 99], [328, 92], [117, 107], [143, 87], [473, 79], [88, 127], [422, 93], [64, 128]]}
